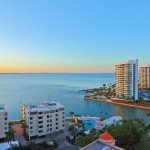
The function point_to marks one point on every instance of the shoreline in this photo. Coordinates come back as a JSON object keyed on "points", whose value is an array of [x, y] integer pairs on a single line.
{"points": [[116, 103]]}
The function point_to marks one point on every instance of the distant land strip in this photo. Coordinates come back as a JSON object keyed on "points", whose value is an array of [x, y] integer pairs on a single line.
{"points": [[116, 103]]}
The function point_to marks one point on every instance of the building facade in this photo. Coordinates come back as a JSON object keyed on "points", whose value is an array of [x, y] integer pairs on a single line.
{"points": [[145, 77], [43, 118], [3, 121], [126, 79]]}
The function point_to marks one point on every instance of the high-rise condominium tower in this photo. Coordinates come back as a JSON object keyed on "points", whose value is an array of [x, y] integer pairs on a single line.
{"points": [[126, 76], [145, 77]]}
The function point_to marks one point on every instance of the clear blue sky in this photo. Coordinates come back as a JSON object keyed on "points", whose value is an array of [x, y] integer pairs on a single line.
{"points": [[73, 35]]}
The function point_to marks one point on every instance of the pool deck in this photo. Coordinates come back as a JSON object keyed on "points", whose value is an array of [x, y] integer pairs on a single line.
{"points": [[96, 119]]}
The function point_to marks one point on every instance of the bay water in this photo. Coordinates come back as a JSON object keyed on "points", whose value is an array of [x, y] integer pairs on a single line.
{"points": [[64, 88]]}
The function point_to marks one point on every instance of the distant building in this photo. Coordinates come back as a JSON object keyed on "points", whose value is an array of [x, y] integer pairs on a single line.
{"points": [[43, 118], [126, 79], [105, 142], [145, 77], [3, 121]]}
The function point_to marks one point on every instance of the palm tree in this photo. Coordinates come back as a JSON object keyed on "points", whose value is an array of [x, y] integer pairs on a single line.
{"points": [[106, 113], [101, 112], [148, 116], [71, 113], [10, 135]]}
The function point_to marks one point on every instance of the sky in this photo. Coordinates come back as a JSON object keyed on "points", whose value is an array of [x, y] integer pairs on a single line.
{"points": [[73, 36]]}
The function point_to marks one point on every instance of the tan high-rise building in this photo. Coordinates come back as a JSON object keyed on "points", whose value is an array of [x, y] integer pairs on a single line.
{"points": [[126, 79], [145, 77]]}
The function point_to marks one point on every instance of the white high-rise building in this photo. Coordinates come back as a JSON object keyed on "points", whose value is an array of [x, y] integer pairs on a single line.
{"points": [[43, 118], [126, 79], [3, 121], [145, 77]]}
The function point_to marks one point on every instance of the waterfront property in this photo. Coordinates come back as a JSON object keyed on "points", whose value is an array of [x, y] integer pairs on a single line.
{"points": [[3, 121], [144, 77], [43, 118], [126, 79]]}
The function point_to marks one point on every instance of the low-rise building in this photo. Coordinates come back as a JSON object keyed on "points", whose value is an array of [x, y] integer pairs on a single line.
{"points": [[105, 142], [3, 121], [43, 118]]}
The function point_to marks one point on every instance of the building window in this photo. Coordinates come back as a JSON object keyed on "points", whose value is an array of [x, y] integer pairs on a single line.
{"points": [[31, 132], [63, 125], [51, 120], [31, 122], [47, 120], [56, 114], [5, 128], [40, 126], [40, 131], [63, 113], [5, 123], [40, 113], [56, 123], [40, 122], [5, 118], [5, 113], [48, 125], [56, 119], [31, 127], [41, 117], [47, 129], [31, 118], [50, 129], [47, 116], [56, 127]]}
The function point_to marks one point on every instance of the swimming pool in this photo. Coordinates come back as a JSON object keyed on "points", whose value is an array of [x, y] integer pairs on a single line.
{"points": [[89, 124]]}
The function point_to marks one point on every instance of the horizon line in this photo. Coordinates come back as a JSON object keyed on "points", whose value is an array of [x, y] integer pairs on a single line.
{"points": [[53, 72]]}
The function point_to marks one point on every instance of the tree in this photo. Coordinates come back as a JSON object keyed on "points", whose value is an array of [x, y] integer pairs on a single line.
{"points": [[106, 113], [148, 116], [101, 112], [71, 113], [127, 133], [10, 135]]}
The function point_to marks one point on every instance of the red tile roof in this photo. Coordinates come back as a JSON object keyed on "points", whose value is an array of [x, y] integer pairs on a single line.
{"points": [[106, 136]]}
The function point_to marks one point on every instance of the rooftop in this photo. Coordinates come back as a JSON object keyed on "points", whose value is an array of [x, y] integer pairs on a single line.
{"points": [[3, 108], [106, 136], [43, 106], [97, 145]]}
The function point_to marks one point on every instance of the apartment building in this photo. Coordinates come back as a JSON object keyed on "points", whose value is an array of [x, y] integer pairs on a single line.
{"points": [[126, 79], [3, 121], [43, 118], [145, 77]]}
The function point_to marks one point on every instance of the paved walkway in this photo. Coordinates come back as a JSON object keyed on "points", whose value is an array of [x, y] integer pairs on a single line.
{"points": [[19, 134]]}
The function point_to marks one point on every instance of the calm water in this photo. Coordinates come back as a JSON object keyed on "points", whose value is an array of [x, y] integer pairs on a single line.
{"points": [[16, 88]]}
